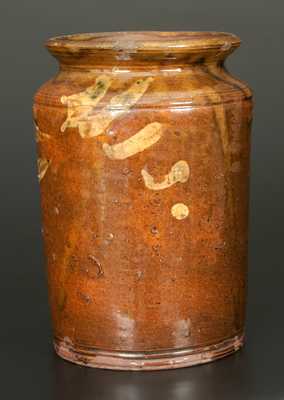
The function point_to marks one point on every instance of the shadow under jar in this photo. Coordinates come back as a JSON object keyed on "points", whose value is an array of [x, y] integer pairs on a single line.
{"points": [[143, 145]]}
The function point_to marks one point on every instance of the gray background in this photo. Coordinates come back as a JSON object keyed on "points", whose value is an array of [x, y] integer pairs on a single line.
{"points": [[29, 368]]}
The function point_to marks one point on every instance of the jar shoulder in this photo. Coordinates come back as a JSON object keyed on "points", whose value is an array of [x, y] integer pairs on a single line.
{"points": [[164, 88]]}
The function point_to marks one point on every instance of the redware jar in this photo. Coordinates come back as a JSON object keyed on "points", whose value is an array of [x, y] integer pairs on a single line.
{"points": [[143, 142]]}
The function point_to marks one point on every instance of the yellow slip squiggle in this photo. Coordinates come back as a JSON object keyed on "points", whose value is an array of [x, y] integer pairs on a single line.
{"points": [[118, 106], [143, 139], [42, 165], [178, 173], [81, 105], [41, 136]]}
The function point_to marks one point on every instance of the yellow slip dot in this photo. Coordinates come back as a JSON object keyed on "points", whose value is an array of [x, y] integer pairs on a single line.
{"points": [[179, 211]]}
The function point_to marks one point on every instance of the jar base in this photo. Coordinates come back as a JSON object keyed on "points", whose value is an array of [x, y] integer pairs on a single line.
{"points": [[143, 361]]}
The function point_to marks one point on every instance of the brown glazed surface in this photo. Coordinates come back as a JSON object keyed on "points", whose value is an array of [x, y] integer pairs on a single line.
{"points": [[143, 142]]}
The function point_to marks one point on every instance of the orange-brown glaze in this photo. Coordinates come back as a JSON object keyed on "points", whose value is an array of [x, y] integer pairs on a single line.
{"points": [[143, 142]]}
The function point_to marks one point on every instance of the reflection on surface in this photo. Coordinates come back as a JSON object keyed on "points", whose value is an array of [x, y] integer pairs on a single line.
{"points": [[210, 381]]}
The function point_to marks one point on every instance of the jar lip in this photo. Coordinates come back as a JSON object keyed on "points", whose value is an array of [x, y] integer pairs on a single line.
{"points": [[144, 41]]}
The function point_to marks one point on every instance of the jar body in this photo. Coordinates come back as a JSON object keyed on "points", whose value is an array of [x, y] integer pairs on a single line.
{"points": [[144, 192]]}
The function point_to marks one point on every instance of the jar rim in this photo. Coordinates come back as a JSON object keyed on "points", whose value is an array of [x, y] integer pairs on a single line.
{"points": [[144, 41]]}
